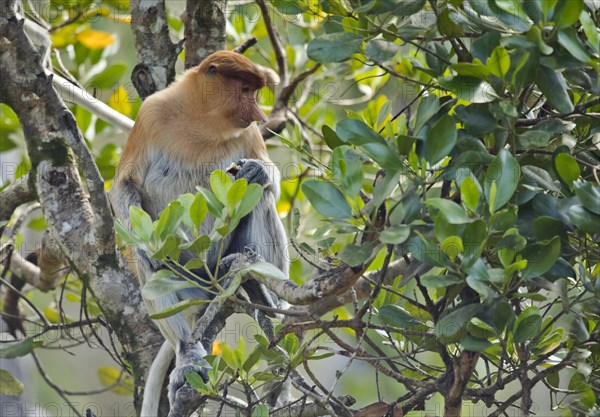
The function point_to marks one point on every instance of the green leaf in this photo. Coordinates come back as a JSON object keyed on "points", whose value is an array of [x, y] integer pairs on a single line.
{"points": [[178, 307], [251, 198], [232, 288], [380, 50], [591, 32], [199, 245], [124, 234], [567, 168], [527, 325], [532, 139], [554, 87], [425, 251], [198, 210], [428, 107], [11, 350], [348, 170], [194, 263], [9, 385], [568, 38], [327, 199], [196, 381], [470, 193], [440, 140], [471, 69], [481, 287], [469, 89], [334, 47], [356, 255], [452, 246], [451, 211], [357, 133], [474, 238], [331, 138], [499, 62], [164, 282], [589, 195], [237, 191], [260, 410], [405, 8], [169, 219], [447, 26], [451, 324], [567, 12], [540, 257], [220, 183], [540, 176], [264, 269], [168, 249], [395, 235], [584, 220], [501, 180], [141, 223], [474, 344], [109, 78], [396, 316], [440, 281], [477, 118]]}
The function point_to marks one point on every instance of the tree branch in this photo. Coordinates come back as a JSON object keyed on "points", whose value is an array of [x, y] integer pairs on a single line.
{"points": [[78, 218], [19, 192], [156, 53], [204, 29]]}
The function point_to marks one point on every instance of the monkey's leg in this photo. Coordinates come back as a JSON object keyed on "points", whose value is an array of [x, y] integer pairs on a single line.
{"points": [[176, 329]]}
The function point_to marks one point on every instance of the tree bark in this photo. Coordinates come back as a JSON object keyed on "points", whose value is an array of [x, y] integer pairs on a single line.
{"points": [[78, 218], [204, 31]]}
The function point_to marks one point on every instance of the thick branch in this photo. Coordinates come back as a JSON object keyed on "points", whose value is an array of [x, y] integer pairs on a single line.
{"points": [[156, 53], [362, 288], [19, 192], [78, 218], [204, 29], [72, 93]]}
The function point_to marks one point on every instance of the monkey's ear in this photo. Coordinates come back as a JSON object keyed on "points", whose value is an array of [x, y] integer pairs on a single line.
{"points": [[212, 69]]}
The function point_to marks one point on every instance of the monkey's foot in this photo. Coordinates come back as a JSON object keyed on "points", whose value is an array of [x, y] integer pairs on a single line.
{"points": [[253, 170], [188, 362]]}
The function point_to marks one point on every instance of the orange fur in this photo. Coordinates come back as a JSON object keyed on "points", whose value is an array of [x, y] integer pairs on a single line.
{"points": [[192, 119]]}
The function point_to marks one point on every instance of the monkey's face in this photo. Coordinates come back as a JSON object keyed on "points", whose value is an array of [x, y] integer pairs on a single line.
{"points": [[230, 83], [244, 105]]}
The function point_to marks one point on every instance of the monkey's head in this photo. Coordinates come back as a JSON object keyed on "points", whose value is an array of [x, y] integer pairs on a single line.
{"points": [[230, 83]]}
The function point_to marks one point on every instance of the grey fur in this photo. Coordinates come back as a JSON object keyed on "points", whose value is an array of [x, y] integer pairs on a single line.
{"points": [[261, 230]]}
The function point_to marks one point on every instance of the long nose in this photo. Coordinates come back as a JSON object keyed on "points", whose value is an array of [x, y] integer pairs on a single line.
{"points": [[255, 113]]}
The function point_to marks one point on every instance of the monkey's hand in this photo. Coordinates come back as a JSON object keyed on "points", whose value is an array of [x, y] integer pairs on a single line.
{"points": [[254, 170], [191, 360]]}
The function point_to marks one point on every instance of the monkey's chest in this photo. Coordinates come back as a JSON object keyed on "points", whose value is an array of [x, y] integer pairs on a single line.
{"points": [[167, 179]]}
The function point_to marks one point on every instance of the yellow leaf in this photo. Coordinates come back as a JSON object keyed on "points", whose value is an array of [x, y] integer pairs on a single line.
{"points": [[120, 19], [9, 385], [52, 315], [217, 348], [95, 39], [119, 100], [64, 36], [110, 376]]}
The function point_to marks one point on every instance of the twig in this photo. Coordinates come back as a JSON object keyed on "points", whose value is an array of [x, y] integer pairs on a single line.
{"points": [[278, 47], [52, 385], [240, 49]]}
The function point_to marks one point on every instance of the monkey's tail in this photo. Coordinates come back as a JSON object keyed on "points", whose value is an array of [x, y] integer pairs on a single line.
{"points": [[154, 382]]}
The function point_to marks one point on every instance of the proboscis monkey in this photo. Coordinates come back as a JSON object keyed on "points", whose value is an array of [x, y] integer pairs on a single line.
{"points": [[202, 122]]}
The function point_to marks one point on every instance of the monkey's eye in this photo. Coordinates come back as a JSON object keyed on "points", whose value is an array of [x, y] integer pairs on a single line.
{"points": [[212, 69], [245, 89]]}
